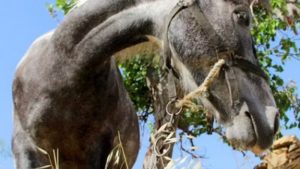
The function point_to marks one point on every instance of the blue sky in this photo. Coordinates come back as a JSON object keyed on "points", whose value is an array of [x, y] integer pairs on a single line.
{"points": [[23, 21]]}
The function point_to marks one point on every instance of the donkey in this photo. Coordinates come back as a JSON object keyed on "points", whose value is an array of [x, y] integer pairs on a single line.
{"points": [[68, 94]]}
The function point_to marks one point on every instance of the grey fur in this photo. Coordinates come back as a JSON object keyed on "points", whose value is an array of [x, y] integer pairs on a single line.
{"points": [[68, 93]]}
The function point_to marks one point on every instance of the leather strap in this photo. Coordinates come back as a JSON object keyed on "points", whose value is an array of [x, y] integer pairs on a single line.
{"points": [[171, 87], [232, 86], [247, 66], [212, 36], [167, 53]]}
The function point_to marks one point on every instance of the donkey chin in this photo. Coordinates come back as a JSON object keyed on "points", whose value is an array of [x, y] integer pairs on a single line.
{"points": [[252, 131]]}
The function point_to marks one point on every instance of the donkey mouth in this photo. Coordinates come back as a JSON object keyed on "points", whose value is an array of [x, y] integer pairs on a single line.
{"points": [[264, 136], [255, 148], [241, 134], [246, 133]]}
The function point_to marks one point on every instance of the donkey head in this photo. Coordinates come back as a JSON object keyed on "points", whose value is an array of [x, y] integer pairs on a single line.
{"points": [[240, 99]]}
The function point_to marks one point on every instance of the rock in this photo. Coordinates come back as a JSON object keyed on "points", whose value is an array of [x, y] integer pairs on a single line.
{"points": [[276, 159], [293, 147], [295, 155], [285, 142], [293, 165], [280, 151], [285, 154], [262, 166]]}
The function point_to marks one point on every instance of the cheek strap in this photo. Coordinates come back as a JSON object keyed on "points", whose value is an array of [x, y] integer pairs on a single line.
{"points": [[233, 88]]}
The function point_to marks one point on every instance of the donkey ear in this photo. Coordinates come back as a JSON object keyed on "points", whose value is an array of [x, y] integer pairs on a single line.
{"points": [[116, 33]]}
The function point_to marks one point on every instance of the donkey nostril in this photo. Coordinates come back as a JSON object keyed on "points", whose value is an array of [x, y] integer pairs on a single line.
{"points": [[276, 122]]}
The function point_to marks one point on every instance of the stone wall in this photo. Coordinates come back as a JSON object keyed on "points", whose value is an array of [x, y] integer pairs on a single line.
{"points": [[285, 154]]}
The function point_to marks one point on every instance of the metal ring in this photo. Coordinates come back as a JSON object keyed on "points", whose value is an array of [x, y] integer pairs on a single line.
{"points": [[165, 150], [168, 105]]}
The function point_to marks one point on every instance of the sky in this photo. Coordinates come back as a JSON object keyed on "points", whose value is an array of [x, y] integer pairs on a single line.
{"points": [[23, 21]]}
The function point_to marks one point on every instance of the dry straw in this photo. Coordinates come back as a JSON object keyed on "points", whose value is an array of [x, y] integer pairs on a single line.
{"points": [[115, 154], [54, 160]]}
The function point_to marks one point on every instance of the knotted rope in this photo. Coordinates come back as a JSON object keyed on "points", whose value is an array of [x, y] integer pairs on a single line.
{"points": [[187, 100], [165, 134]]}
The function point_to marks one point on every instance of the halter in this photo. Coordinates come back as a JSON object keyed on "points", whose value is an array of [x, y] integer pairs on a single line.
{"points": [[227, 60], [231, 60]]}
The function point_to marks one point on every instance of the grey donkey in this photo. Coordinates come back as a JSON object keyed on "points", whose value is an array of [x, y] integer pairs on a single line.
{"points": [[68, 93]]}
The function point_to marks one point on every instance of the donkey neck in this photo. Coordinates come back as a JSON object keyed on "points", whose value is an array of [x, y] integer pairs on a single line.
{"points": [[82, 20]]}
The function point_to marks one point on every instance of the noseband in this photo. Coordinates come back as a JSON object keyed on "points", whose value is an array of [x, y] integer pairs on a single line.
{"points": [[231, 60]]}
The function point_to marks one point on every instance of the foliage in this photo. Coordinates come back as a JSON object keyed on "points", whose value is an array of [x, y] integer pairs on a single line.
{"points": [[193, 123], [275, 45], [63, 6], [134, 73]]}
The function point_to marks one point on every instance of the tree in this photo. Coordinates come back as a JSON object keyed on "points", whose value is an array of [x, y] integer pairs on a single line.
{"points": [[273, 30]]}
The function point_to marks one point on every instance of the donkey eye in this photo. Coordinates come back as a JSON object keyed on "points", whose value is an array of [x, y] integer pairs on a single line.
{"points": [[242, 17]]}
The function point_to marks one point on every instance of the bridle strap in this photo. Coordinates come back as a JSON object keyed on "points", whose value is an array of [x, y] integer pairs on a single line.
{"points": [[167, 53], [231, 83], [212, 36], [247, 66]]}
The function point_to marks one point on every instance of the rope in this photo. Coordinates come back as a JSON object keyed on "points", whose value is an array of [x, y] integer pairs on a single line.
{"points": [[187, 102], [165, 133]]}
